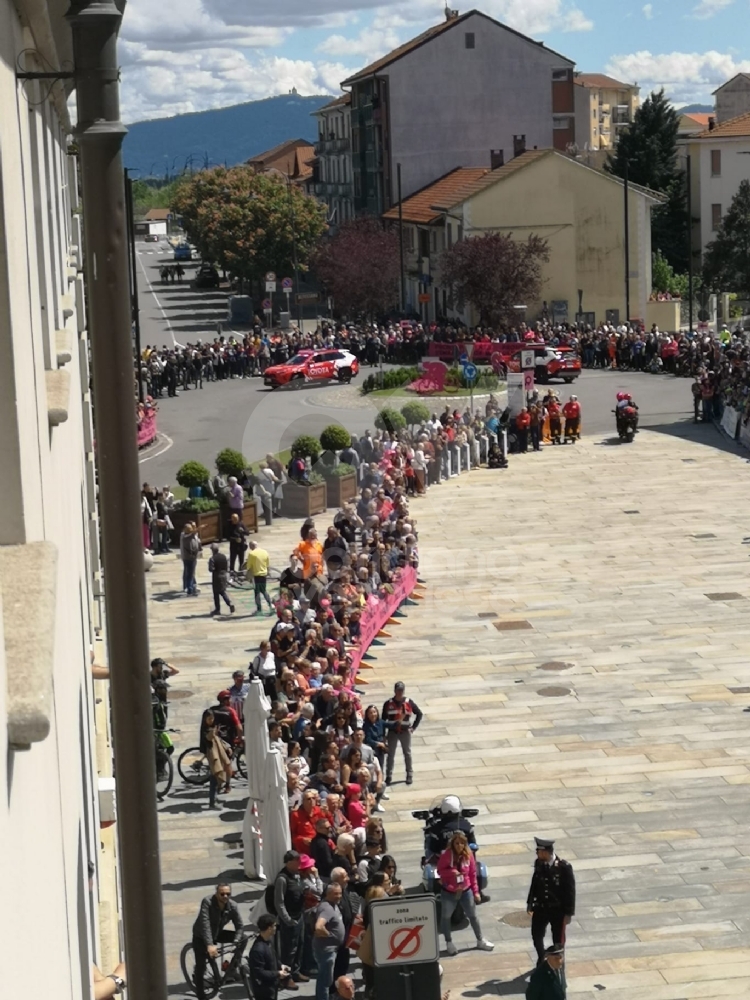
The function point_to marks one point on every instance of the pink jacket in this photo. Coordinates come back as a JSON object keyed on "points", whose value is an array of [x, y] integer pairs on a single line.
{"points": [[450, 873]]}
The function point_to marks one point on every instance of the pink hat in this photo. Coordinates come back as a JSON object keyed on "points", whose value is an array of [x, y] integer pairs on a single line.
{"points": [[306, 863]]}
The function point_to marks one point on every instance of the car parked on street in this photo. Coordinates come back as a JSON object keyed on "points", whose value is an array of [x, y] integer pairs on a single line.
{"points": [[313, 366], [150, 238], [207, 277]]}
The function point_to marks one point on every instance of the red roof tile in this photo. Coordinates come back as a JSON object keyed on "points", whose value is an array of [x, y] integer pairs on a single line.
{"points": [[738, 127], [601, 82]]}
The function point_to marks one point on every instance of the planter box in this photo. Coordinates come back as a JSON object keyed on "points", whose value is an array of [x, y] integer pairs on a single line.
{"points": [[249, 517], [341, 489], [209, 524], [304, 501]]}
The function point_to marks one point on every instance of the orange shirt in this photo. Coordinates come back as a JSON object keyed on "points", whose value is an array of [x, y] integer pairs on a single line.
{"points": [[310, 554]]}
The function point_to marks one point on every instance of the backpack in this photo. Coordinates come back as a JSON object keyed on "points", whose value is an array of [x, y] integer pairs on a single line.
{"points": [[269, 895]]}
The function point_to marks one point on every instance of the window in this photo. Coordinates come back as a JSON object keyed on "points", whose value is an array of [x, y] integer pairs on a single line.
{"points": [[355, 140], [424, 243], [357, 186], [716, 163], [594, 113], [715, 217], [560, 74], [469, 40], [408, 237], [449, 234]]}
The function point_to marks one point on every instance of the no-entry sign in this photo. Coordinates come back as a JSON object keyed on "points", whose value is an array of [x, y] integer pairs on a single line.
{"points": [[404, 931]]}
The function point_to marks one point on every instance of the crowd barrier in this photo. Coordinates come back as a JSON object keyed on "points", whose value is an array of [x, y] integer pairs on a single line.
{"points": [[730, 420], [483, 350], [379, 610], [146, 430]]}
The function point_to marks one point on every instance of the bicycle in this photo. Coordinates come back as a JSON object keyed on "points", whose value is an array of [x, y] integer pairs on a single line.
{"points": [[215, 976], [164, 748], [194, 767]]}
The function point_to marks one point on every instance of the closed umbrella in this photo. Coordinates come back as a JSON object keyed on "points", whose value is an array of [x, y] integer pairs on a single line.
{"points": [[274, 816], [257, 709]]}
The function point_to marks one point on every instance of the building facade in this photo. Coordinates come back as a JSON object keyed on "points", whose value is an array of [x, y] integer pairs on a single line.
{"points": [[720, 161], [292, 159], [53, 833], [733, 98], [579, 211], [469, 92], [604, 107], [332, 180]]}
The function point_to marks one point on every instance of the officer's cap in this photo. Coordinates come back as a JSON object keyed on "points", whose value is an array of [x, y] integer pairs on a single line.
{"points": [[544, 845], [555, 949]]}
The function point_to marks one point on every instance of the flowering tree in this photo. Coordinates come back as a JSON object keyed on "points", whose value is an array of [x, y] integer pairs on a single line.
{"points": [[247, 222], [495, 273], [359, 266]]}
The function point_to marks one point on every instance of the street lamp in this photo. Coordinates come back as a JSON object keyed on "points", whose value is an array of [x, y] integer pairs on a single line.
{"points": [[294, 248]]}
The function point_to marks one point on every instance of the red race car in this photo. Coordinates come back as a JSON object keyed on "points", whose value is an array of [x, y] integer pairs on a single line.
{"points": [[313, 366]]}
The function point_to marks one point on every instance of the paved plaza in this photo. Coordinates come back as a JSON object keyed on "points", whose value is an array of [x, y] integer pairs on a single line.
{"points": [[581, 657]]}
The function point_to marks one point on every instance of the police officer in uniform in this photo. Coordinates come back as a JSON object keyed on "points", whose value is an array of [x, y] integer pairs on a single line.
{"points": [[552, 896], [547, 981], [450, 821]]}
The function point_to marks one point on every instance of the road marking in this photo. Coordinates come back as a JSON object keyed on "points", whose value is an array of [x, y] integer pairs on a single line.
{"points": [[161, 307], [168, 442]]}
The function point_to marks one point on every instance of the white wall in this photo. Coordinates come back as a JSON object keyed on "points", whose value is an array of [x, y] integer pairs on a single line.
{"points": [[48, 806], [735, 167], [733, 99], [484, 95]]}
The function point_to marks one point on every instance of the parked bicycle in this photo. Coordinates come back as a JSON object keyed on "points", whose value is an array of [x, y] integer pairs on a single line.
{"points": [[215, 976]]}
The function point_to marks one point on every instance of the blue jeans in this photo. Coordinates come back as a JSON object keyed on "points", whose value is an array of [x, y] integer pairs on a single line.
{"points": [[325, 959], [188, 575], [448, 903]]}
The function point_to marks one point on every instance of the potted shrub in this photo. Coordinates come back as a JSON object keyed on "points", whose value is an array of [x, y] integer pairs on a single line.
{"points": [[415, 413], [341, 484], [205, 513], [194, 477], [231, 463], [390, 420], [306, 499]]}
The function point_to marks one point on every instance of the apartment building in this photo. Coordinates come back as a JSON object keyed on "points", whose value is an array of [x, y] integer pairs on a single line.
{"points": [[720, 161], [292, 159], [332, 179], [603, 107], [469, 92], [733, 98], [56, 921]]}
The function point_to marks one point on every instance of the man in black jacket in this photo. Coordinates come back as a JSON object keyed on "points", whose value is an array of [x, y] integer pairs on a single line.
{"points": [[262, 962], [218, 567], [320, 849], [209, 929], [552, 896], [288, 896]]}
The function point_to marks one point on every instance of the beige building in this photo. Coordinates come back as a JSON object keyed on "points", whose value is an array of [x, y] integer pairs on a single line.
{"points": [[733, 98], [332, 181], [51, 823], [578, 210], [603, 107]]}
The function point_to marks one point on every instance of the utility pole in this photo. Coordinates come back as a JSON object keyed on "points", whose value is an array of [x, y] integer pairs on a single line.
{"points": [[626, 188], [402, 273], [134, 303], [294, 252], [95, 25], [689, 178]]}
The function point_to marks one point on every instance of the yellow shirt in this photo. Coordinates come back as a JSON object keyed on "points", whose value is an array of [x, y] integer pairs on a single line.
{"points": [[257, 562]]}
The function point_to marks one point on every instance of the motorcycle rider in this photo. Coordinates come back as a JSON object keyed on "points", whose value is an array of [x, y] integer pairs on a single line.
{"points": [[625, 403], [450, 820]]}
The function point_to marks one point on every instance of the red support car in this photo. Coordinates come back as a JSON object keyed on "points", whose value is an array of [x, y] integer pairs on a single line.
{"points": [[326, 365]]}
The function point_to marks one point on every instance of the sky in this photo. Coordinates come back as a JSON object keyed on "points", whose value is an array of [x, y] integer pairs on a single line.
{"points": [[189, 55]]}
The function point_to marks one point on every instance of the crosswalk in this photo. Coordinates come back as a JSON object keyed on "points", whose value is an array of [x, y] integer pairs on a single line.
{"points": [[150, 252]]}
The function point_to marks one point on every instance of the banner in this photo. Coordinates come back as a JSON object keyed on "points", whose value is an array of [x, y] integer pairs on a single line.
{"points": [[482, 351], [379, 610], [729, 422]]}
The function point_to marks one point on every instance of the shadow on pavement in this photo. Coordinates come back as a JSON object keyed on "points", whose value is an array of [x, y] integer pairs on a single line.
{"points": [[230, 874], [184, 807], [700, 433], [497, 988]]}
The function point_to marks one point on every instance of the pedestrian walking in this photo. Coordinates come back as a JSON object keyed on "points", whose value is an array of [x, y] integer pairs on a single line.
{"points": [[190, 547], [265, 972], [218, 567], [258, 562], [458, 884], [329, 937], [552, 896], [401, 716], [237, 543], [548, 979]]}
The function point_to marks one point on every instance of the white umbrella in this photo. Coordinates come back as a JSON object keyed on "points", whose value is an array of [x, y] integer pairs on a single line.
{"points": [[257, 708], [274, 817]]}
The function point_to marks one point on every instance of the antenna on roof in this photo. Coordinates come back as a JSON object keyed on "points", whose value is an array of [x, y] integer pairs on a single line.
{"points": [[450, 15]]}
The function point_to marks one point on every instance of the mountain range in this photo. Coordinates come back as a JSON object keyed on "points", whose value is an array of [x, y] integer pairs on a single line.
{"points": [[165, 146]]}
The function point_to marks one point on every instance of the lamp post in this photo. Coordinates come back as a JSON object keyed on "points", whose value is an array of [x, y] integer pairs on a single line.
{"points": [[294, 250]]}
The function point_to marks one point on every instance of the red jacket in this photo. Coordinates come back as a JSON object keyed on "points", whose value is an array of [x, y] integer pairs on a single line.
{"points": [[303, 827], [457, 876], [572, 410], [522, 421]]}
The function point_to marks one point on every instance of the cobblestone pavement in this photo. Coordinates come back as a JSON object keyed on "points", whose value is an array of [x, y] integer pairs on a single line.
{"points": [[615, 576]]}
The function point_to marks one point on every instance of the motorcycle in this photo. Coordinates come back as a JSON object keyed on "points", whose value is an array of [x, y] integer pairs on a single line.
{"points": [[627, 421], [432, 819]]}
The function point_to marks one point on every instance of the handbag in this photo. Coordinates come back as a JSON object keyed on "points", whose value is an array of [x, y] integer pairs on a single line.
{"points": [[356, 933]]}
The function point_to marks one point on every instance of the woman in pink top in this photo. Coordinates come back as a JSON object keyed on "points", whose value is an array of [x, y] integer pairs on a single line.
{"points": [[457, 870], [356, 808]]}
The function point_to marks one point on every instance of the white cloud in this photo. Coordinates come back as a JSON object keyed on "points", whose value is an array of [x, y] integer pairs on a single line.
{"points": [[685, 76], [370, 44], [708, 8], [648, 11]]}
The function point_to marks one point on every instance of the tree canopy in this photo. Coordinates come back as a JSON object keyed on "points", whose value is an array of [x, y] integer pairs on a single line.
{"points": [[247, 222], [359, 267], [726, 262], [495, 273], [648, 149]]}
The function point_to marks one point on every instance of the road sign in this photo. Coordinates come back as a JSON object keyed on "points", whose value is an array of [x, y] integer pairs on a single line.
{"points": [[528, 381], [424, 297], [404, 930], [527, 359], [270, 286], [307, 298], [286, 284], [470, 372], [267, 305], [463, 359], [271, 276]]}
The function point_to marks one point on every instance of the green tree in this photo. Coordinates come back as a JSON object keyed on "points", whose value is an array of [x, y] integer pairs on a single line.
{"points": [[389, 420], [726, 262], [230, 462], [249, 223], [415, 412], [495, 273], [359, 267], [335, 437], [192, 474], [152, 194], [647, 149], [665, 279]]}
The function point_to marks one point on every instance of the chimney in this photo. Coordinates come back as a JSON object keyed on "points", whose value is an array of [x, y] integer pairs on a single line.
{"points": [[711, 123], [519, 145], [497, 158], [450, 15]]}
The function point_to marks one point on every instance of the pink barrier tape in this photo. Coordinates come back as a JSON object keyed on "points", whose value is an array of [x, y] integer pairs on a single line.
{"points": [[379, 610], [147, 430]]}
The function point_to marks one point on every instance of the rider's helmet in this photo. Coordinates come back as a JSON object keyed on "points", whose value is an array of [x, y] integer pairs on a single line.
{"points": [[621, 396], [626, 395], [451, 806]]}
